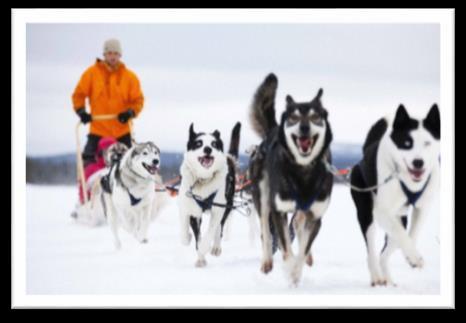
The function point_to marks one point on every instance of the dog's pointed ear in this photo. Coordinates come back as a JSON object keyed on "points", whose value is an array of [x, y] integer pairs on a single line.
{"points": [[432, 121], [216, 134], [401, 118], [192, 134], [289, 99], [319, 94]]}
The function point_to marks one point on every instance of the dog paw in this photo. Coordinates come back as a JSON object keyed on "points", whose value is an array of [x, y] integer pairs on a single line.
{"points": [[216, 251], [309, 260], [379, 282], [415, 261], [294, 269], [267, 266], [200, 263]]}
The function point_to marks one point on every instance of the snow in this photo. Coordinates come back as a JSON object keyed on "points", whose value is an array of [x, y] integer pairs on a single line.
{"points": [[64, 257]]}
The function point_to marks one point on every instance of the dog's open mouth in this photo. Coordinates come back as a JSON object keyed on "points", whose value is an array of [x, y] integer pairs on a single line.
{"points": [[305, 143], [416, 174], [206, 161], [152, 169]]}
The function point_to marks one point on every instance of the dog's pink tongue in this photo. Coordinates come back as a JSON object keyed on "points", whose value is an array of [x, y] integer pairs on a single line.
{"points": [[305, 143], [206, 161]]}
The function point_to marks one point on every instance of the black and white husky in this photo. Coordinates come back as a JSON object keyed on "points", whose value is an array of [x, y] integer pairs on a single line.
{"points": [[207, 184], [129, 191], [406, 150], [289, 175]]}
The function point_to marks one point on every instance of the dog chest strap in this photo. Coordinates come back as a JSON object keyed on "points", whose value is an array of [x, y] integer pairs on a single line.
{"points": [[105, 182], [134, 201], [413, 196], [305, 205], [205, 204]]}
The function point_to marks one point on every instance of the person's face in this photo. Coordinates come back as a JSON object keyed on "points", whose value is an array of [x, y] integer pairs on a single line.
{"points": [[112, 58]]}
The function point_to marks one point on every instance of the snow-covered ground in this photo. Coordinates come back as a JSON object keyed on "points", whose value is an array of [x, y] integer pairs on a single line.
{"points": [[64, 257]]}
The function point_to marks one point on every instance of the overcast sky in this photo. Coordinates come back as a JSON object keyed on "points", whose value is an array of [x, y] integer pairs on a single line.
{"points": [[404, 51], [365, 69]]}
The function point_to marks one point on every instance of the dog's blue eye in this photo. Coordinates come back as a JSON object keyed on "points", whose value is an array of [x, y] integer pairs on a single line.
{"points": [[214, 144], [198, 144]]}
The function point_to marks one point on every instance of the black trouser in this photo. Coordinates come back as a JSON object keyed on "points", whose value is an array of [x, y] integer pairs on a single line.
{"points": [[92, 143]]}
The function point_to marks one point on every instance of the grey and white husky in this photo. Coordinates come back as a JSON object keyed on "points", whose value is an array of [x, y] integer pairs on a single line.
{"points": [[289, 174], [129, 191], [407, 150]]}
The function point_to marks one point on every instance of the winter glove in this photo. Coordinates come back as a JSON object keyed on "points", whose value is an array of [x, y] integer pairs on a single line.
{"points": [[83, 115], [125, 116]]}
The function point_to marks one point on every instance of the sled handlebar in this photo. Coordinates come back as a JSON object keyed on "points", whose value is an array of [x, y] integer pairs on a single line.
{"points": [[100, 117]]}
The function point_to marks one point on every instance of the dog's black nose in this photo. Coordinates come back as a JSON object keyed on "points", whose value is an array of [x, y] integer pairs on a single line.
{"points": [[418, 163], [207, 150], [155, 162], [304, 128]]}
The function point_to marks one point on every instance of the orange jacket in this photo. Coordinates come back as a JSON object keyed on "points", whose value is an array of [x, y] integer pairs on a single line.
{"points": [[109, 92]]}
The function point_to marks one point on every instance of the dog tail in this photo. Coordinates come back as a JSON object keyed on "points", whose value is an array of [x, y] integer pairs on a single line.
{"points": [[375, 133], [262, 111], [234, 141]]}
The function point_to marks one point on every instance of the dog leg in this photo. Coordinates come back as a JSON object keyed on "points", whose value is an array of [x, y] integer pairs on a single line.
{"points": [[312, 228], [205, 244], [417, 221], [144, 221], [217, 248], [372, 256], [267, 260], [184, 226], [195, 223], [395, 230], [112, 217], [307, 228], [225, 223], [388, 249], [281, 226], [196, 227], [262, 205]]}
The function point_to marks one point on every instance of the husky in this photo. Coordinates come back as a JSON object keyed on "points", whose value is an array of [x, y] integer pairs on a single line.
{"points": [[406, 150], [289, 175], [207, 184], [129, 191]]}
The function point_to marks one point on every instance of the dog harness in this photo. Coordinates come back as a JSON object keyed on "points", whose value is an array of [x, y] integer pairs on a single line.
{"points": [[207, 203], [105, 182], [305, 205], [413, 196]]}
